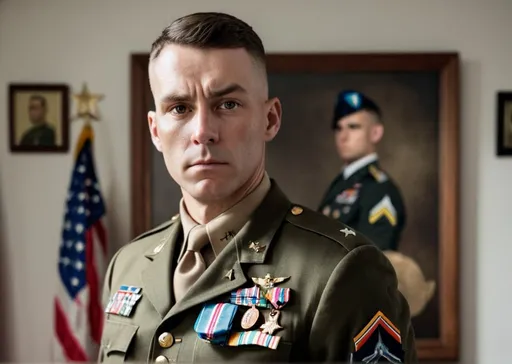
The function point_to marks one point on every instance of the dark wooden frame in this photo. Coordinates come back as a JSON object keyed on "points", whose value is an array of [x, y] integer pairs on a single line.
{"points": [[446, 346], [501, 98], [65, 118]]}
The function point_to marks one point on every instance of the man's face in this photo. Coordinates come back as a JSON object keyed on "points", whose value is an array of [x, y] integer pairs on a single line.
{"points": [[357, 135], [36, 111], [212, 118]]}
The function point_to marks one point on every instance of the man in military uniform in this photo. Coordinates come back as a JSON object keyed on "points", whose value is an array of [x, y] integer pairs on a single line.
{"points": [[41, 133], [363, 196], [240, 274]]}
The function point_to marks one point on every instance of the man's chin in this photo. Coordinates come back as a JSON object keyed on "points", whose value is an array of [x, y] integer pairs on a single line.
{"points": [[210, 190]]}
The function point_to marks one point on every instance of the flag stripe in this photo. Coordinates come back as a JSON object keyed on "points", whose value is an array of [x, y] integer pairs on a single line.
{"points": [[99, 229], [95, 311], [70, 345]]}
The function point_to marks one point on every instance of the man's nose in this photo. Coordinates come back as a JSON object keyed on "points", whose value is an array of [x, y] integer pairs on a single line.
{"points": [[343, 134], [206, 129]]}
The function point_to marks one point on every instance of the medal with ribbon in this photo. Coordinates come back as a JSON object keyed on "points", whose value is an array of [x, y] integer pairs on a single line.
{"points": [[249, 297], [278, 297]]}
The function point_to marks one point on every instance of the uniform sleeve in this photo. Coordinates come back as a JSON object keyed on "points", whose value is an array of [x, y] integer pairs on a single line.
{"points": [[382, 215], [362, 311]]}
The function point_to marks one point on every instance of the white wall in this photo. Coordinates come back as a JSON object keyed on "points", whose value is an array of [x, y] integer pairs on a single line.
{"points": [[76, 41]]}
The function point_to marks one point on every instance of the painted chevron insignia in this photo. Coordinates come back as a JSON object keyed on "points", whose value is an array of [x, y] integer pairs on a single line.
{"points": [[384, 208]]}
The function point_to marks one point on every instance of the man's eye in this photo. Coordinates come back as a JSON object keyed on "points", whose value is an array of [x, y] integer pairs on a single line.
{"points": [[179, 109], [229, 105]]}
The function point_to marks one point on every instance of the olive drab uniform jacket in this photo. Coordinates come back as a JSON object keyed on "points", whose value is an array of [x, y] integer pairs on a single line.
{"points": [[40, 135], [292, 285], [370, 202]]}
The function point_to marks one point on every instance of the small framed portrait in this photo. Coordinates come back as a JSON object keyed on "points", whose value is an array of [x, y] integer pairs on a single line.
{"points": [[504, 123], [39, 117]]}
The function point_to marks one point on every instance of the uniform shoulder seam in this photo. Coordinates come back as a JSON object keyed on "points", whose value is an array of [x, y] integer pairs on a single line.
{"points": [[378, 174], [334, 230], [157, 229]]}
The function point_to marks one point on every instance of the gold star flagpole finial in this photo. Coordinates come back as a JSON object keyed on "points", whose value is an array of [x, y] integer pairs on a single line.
{"points": [[87, 105]]}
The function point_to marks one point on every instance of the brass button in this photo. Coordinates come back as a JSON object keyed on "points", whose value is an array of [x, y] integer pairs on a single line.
{"points": [[296, 210], [161, 359], [166, 340]]}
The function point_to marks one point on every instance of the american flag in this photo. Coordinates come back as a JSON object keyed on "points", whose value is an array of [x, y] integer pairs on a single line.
{"points": [[78, 313]]}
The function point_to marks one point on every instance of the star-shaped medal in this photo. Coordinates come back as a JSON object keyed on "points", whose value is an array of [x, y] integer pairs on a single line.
{"points": [[271, 324]]}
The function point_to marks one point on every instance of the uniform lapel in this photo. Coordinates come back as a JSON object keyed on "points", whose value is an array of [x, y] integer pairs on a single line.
{"points": [[261, 229], [156, 278]]}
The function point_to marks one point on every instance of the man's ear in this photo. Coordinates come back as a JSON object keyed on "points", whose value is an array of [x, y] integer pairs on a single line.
{"points": [[377, 133], [153, 130], [273, 118]]}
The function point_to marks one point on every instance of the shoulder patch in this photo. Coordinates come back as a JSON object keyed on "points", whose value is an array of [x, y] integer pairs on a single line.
{"points": [[157, 229], [379, 175], [379, 340], [318, 223]]}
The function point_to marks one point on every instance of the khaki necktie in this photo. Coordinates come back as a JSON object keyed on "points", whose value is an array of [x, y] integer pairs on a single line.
{"points": [[192, 264]]}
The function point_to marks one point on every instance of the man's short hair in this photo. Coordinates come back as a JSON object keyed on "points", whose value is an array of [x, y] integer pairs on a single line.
{"points": [[211, 30], [41, 99]]}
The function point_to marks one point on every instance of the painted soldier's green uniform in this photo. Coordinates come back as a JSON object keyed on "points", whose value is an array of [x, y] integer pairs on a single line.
{"points": [[363, 196], [334, 296], [40, 135]]}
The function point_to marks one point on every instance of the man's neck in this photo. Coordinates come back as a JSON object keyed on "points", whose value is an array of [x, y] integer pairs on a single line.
{"points": [[203, 213], [356, 165]]}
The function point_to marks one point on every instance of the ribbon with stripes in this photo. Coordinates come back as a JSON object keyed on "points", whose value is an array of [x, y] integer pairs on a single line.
{"points": [[254, 338], [278, 296], [123, 301], [215, 321], [249, 297]]}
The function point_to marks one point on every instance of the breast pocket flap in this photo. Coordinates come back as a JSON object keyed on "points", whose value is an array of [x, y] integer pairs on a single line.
{"points": [[117, 336]]}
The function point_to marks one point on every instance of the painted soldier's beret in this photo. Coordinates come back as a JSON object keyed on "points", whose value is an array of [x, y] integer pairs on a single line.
{"points": [[351, 101]]}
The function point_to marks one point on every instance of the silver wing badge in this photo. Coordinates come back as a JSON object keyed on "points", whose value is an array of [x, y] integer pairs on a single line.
{"points": [[268, 281]]}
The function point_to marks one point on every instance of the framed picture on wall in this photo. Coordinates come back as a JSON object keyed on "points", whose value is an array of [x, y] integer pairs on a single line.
{"points": [[39, 118], [418, 94], [504, 123]]}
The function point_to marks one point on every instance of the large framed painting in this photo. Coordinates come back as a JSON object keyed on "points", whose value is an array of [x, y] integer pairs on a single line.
{"points": [[418, 95]]}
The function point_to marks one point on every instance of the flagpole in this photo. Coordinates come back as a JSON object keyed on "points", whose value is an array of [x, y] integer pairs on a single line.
{"points": [[86, 110], [82, 250]]}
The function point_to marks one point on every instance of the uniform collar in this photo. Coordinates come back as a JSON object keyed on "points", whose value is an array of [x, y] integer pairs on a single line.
{"points": [[353, 167], [225, 226]]}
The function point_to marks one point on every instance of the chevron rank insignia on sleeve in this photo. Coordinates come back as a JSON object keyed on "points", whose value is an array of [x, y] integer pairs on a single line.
{"points": [[379, 340], [384, 208]]}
